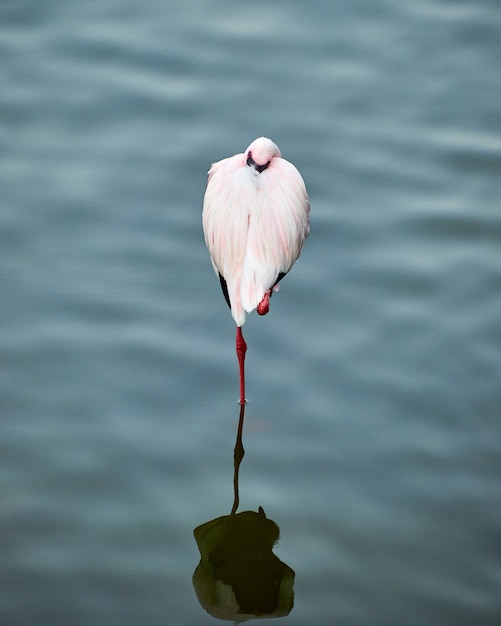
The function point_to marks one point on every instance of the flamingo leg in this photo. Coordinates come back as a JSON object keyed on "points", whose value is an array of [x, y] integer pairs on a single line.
{"points": [[241, 350]]}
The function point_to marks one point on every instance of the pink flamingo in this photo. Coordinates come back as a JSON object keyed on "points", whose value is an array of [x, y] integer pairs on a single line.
{"points": [[255, 220]]}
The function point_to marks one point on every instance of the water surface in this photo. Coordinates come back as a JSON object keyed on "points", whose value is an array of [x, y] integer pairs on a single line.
{"points": [[373, 431]]}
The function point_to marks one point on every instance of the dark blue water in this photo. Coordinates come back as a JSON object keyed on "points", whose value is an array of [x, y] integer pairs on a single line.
{"points": [[373, 431]]}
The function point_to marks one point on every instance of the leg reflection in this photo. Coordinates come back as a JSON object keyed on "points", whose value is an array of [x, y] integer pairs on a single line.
{"points": [[238, 455]]}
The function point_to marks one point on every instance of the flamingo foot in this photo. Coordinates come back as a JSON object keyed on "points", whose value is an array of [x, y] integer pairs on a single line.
{"points": [[264, 306]]}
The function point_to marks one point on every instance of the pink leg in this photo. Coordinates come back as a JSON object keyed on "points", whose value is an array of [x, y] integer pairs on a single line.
{"points": [[241, 350]]}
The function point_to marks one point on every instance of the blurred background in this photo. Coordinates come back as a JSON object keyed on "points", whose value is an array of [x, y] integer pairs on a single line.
{"points": [[373, 430]]}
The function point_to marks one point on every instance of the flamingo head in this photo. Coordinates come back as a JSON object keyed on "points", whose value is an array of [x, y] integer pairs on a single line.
{"points": [[260, 153]]}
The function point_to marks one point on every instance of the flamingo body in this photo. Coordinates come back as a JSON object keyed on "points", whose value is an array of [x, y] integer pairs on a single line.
{"points": [[255, 220]]}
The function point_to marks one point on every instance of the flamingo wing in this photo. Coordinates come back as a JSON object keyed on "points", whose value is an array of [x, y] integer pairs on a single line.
{"points": [[225, 224], [278, 228]]}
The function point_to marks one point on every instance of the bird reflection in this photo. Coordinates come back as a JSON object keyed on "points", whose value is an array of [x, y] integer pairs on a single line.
{"points": [[239, 577]]}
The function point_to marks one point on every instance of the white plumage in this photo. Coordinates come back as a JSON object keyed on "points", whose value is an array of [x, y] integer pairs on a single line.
{"points": [[255, 220]]}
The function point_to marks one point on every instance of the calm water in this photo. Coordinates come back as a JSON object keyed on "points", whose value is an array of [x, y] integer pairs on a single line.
{"points": [[373, 432]]}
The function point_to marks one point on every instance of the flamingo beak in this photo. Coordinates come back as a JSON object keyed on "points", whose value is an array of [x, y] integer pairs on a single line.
{"points": [[258, 168]]}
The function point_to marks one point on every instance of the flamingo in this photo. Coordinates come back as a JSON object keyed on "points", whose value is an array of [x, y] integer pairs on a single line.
{"points": [[255, 220]]}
